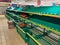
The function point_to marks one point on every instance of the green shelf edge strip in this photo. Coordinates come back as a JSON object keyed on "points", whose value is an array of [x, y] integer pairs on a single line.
{"points": [[51, 15]]}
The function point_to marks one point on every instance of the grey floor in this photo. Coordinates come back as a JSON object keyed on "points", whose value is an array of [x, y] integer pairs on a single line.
{"points": [[9, 36]]}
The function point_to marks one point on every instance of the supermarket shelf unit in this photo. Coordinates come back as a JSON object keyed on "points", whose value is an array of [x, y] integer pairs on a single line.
{"points": [[37, 25]]}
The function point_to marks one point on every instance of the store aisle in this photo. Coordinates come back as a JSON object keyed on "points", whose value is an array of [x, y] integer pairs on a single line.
{"points": [[9, 36]]}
